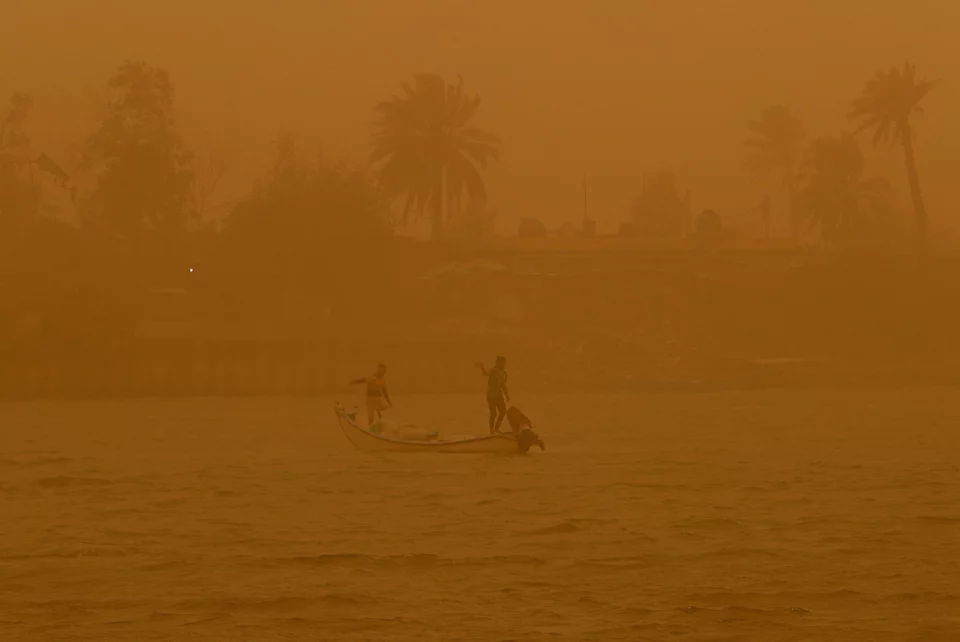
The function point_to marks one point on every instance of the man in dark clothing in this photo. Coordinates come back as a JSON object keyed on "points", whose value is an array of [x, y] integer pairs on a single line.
{"points": [[497, 394]]}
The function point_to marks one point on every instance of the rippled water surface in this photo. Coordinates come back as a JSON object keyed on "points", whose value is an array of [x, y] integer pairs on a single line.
{"points": [[746, 516]]}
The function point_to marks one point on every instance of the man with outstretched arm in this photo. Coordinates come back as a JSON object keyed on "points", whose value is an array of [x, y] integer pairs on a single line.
{"points": [[378, 399]]}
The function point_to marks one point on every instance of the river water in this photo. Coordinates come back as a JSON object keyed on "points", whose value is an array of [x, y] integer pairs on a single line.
{"points": [[829, 515]]}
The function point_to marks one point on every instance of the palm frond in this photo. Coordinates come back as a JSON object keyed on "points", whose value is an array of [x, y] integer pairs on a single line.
{"points": [[887, 102]]}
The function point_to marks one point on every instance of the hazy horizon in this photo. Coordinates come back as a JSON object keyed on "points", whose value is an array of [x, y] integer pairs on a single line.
{"points": [[610, 90]]}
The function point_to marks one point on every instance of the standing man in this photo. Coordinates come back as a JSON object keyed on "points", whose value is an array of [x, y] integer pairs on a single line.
{"points": [[497, 395], [378, 399]]}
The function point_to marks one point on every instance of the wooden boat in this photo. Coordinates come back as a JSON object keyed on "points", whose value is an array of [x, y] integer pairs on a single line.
{"points": [[365, 439]]}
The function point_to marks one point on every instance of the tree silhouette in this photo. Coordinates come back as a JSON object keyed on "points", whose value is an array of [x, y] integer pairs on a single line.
{"points": [[708, 226], [659, 210], [145, 182], [835, 197], [21, 192], [775, 151], [11, 132], [886, 105], [308, 222], [211, 161], [428, 151], [19, 196]]}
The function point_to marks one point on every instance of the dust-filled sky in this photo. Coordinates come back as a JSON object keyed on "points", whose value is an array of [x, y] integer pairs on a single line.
{"points": [[610, 88]]}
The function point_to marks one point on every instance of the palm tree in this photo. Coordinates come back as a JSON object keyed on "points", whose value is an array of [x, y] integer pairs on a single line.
{"points": [[427, 149], [886, 104], [775, 151], [836, 198]]}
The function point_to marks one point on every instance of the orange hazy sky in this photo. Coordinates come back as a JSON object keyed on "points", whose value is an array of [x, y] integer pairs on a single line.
{"points": [[610, 88]]}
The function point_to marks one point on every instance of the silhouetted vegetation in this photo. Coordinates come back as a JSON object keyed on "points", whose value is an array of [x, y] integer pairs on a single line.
{"points": [[57, 282], [776, 150], [835, 197], [309, 221], [826, 182], [313, 249], [708, 227], [144, 172], [429, 152], [886, 106], [660, 211], [19, 196], [21, 184]]}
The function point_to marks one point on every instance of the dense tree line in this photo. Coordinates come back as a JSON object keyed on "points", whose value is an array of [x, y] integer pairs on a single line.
{"points": [[80, 260]]}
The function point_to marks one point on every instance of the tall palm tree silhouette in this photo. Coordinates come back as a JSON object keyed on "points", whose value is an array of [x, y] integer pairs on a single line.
{"points": [[428, 151], [775, 151], [886, 104]]}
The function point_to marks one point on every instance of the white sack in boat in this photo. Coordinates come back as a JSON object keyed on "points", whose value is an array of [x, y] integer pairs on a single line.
{"points": [[408, 432]]}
